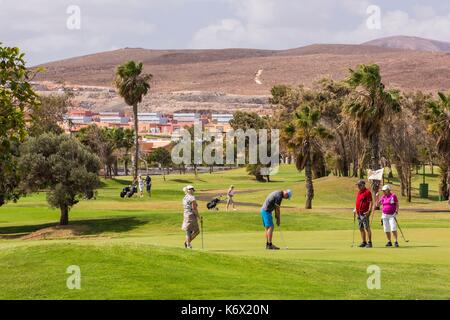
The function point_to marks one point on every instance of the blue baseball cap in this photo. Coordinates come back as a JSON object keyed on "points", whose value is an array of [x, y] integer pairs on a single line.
{"points": [[289, 192]]}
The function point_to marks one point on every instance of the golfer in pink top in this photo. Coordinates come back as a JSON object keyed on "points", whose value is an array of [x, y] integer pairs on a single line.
{"points": [[389, 202]]}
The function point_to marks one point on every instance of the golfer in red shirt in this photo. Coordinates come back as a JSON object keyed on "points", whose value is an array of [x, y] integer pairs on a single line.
{"points": [[363, 209]]}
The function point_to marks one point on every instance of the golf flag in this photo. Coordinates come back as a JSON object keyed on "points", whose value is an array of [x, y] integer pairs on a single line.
{"points": [[375, 175]]}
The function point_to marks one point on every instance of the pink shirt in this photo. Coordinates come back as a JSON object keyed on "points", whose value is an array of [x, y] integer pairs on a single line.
{"points": [[389, 203]]}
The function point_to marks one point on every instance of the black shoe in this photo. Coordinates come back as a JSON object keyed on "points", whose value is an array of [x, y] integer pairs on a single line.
{"points": [[396, 244], [273, 247], [363, 244], [389, 244], [369, 245]]}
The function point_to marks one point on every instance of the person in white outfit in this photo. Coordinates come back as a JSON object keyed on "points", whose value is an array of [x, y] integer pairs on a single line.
{"points": [[230, 195], [141, 187], [191, 216]]}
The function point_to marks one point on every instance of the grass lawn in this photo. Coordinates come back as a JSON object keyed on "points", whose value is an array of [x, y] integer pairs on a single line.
{"points": [[132, 248]]}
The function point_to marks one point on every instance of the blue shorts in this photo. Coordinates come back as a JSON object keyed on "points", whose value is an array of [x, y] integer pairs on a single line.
{"points": [[267, 218]]}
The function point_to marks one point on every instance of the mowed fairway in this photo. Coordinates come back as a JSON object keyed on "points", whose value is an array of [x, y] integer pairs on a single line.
{"points": [[133, 248]]}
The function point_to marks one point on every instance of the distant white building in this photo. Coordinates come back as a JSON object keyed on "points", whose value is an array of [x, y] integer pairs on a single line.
{"points": [[79, 119], [114, 119], [186, 117], [221, 118], [152, 117]]}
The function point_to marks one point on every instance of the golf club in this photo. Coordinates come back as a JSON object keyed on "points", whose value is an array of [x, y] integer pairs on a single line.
{"points": [[354, 228], [282, 238], [403, 236], [354, 220], [201, 231]]}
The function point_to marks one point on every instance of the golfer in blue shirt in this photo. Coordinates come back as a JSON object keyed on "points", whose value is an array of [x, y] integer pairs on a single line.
{"points": [[273, 203]]}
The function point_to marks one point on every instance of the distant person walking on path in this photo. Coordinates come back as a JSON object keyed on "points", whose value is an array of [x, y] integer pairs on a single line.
{"points": [[389, 203], [141, 187], [273, 203], [230, 195], [191, 216], [363, 209], [148, 182]]}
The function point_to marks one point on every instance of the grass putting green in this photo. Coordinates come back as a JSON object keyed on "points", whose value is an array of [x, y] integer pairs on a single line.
{"points": [[132, 248]]}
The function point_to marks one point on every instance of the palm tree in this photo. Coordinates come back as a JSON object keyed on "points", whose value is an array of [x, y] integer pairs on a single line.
{"points": [[133, 85], [438, 119], [369, 105], [125, 140], [302, 135]]}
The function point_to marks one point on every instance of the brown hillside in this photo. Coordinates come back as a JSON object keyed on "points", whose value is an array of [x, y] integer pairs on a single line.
{"points": [[233, 70]]}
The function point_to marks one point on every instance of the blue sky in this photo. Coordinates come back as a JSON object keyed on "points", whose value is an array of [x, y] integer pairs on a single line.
{"points": [[39, 27]]}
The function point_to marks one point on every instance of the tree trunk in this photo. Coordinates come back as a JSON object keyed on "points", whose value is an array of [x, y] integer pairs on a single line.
{"points": [[443, 183], [64, 219], [355, 168], [136, 154], [362, 174], [126, 167], [402, 179], [448, 185], [375, 160], [309, 185], [409, 175], [116, 167], [345, 162]]}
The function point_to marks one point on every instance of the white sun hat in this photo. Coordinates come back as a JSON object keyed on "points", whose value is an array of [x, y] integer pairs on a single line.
{"points": [[386, 187]]}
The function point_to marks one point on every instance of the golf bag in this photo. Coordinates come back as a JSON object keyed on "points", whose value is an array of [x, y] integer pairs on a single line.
{"points": [[124, 192], [133, 190], [213, 204]]}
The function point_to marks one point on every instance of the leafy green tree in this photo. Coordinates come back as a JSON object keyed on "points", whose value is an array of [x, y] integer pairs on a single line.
{"points": [[102, 142], [303, 135], [133, 85], [162, 157], [16, 97], [438, 119], [370, 106], [62, 166], [126, 142], [48, 116], [246, 121]]}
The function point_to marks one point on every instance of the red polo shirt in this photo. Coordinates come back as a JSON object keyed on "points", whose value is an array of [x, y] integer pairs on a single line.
{"points": [[363, 201]]}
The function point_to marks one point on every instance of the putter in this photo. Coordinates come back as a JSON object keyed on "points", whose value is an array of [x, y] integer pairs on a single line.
{"points": [[354, 221], [403, 236], [354, 227], [282, 238], [201, 231]]}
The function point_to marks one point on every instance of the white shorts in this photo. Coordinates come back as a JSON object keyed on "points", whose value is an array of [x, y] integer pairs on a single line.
{"points": [[389, 222]]}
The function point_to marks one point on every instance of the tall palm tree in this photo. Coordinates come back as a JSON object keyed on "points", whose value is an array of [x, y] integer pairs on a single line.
{"points": [[133, 85], [127, 144], [302, 135], [438, 119], [370, 105]]}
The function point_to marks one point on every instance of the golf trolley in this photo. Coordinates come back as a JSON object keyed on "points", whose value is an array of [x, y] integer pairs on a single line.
{"points": [[213, 203]]}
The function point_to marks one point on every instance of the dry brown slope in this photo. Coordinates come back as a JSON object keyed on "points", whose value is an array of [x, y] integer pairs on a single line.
{"points": [[233, 70]]}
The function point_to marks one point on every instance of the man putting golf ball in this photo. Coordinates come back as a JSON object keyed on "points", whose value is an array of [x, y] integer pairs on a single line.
{"points": [[273, 203], [191, 216], [363, 209]]}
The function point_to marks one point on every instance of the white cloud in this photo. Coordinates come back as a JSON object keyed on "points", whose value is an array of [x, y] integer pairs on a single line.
{"points": [[423, 24], [39, 26], [281, 24]]}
